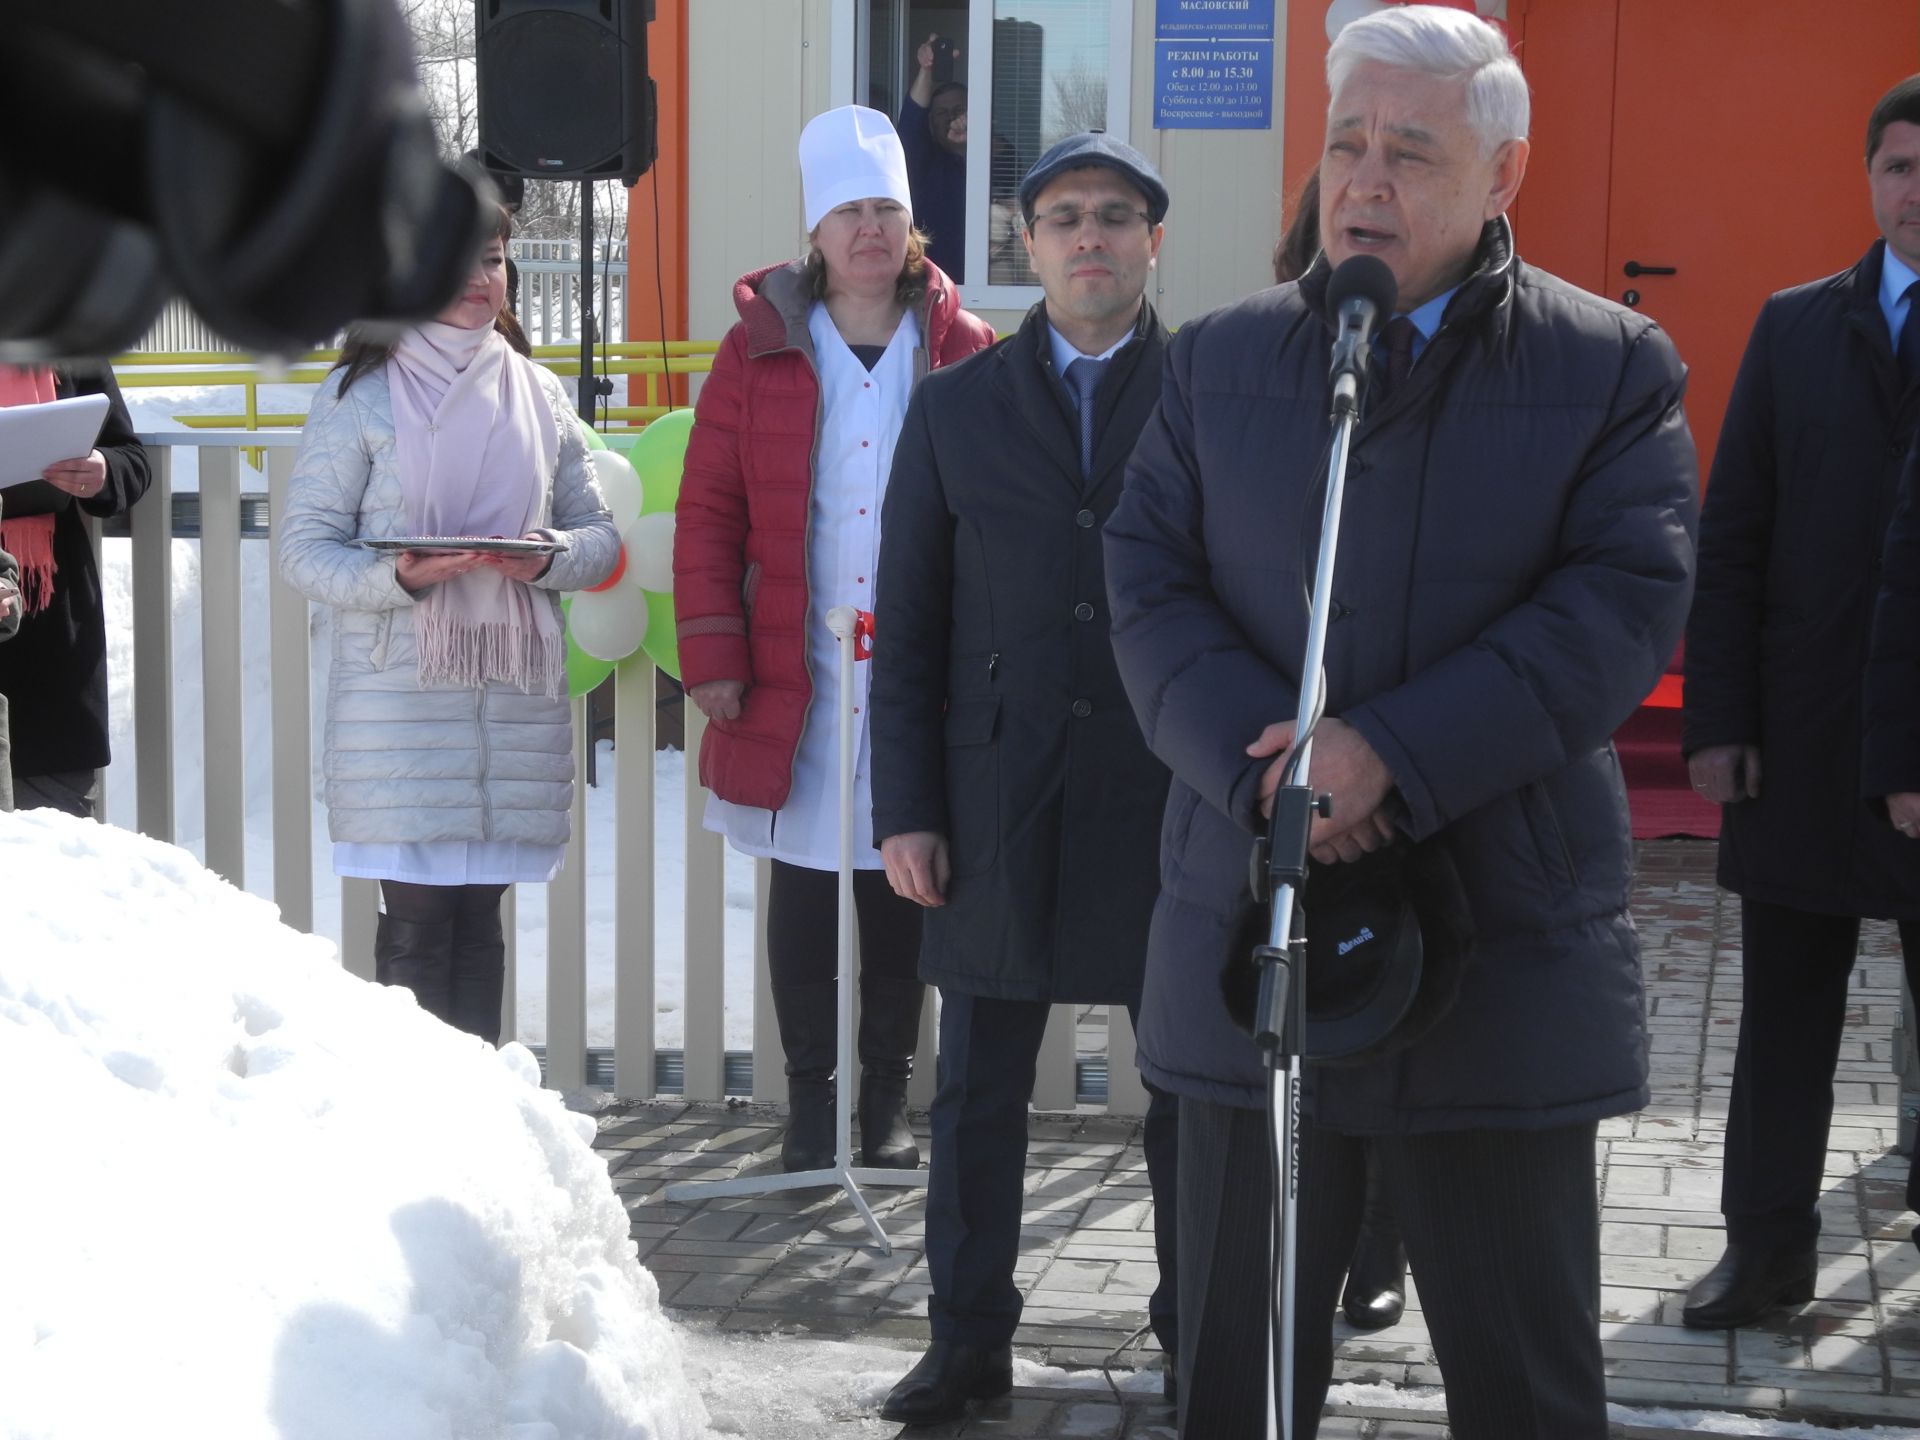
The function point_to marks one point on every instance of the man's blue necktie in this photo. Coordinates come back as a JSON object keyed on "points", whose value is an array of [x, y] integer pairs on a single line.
{"points": [[1083, 377], [1908, 348]]}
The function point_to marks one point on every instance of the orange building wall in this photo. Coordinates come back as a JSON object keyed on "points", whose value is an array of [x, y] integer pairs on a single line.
{"points": [[659, 271]]}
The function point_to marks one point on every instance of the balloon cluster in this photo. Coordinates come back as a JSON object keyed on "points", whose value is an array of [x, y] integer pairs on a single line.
{"points": [[632, 609], [1342, 13]]}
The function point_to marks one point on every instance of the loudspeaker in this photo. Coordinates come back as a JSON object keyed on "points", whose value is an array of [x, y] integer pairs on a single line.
{"points": [[563, 88]]}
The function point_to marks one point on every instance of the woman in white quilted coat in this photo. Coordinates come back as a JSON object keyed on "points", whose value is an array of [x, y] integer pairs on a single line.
{"points": [[449, 748]]}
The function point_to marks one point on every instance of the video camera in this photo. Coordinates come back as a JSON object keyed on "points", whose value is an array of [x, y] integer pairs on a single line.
{"points": [[271, 161]]}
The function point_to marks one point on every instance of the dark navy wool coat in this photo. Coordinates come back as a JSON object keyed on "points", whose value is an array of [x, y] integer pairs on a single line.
{"points": [[998, 718], [1796, 513]]}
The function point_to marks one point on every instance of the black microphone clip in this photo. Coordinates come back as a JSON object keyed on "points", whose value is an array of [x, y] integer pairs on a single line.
{"points": [[1361, 295]]}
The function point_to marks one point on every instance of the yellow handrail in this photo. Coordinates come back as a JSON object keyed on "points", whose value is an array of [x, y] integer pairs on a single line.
{"points": [[180, 368]]}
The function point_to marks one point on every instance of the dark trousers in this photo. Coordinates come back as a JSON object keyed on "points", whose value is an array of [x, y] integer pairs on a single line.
{"points": [[976, 1186], [1793, 985], [448, 948], [803, 908], [1502, 1229], [69, 791]]}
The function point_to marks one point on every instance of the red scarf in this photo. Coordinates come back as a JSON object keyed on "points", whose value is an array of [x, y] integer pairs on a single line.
{"points": [[29, 539]]}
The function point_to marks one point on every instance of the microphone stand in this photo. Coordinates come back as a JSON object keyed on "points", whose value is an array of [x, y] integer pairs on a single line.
{"points": [[1279, 874], [854, 630]]}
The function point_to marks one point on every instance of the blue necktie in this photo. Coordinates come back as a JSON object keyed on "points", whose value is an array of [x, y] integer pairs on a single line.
{"points": [[1083, 377], [1397, 340], [1907, 351]]}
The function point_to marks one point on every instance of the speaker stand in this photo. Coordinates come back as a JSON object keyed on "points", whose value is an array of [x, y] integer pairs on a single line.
{"points": [[589, 389]]}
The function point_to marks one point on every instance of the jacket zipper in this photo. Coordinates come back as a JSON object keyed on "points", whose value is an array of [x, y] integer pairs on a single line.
{"points": [[480, 724]]}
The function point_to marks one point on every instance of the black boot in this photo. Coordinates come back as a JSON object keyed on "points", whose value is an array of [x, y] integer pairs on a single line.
{"points": [[949, 1375], [1376, 1293], [889, 1032], [419, 957], [809, 1018], [1749, 1281], [479, 965]]}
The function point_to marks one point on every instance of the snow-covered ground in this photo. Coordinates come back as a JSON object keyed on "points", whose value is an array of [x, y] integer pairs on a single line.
{"points": [[249, 1195], [243, 1203], [155, 411]]}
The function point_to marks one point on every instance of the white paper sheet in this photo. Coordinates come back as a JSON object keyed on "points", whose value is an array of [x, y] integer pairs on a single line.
{"points": [[32, 437]]}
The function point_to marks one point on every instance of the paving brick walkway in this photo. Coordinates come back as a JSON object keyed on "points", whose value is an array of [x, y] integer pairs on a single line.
{"points": [[801, 1262]]}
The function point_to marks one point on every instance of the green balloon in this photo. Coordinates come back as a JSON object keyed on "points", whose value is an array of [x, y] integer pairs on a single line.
{"points": [[584, 671], [661, 645], [591, 436], [658, 454]]}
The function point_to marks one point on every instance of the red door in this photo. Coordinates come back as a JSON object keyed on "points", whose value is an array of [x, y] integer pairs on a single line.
{"points": [[1720, 140], [1739, 135]]}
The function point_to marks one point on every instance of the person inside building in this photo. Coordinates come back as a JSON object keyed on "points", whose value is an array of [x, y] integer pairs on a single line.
{"points": [[1824, 409], [449, 750], [778, 522], [54, 672], [933, 133], [1515, 566]]}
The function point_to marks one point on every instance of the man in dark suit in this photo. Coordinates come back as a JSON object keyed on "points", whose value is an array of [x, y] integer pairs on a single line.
{"points": [[1012, 793], [1515, 564], [1824, 408]]}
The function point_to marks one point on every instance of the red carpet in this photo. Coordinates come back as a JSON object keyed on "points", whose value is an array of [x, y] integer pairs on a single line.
{"points": [[1659, 794]]}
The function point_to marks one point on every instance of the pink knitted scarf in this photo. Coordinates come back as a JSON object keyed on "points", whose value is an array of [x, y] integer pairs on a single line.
{"points": [[476, 444]]}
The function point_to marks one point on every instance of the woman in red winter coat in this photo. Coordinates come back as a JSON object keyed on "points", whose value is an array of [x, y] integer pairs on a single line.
{"points": [[778, 523]]}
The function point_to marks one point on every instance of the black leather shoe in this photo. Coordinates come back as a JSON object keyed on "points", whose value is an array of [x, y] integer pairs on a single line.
{"points": [[1749, 1281], [1376, 1293], [947, 1377]]}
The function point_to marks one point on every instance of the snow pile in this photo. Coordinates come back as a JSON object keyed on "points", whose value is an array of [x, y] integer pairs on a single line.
{"points": [[249, 1195]]}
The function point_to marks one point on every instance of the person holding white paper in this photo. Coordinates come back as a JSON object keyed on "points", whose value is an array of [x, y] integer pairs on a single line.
{"points": [[449, 741], [53, 674]]}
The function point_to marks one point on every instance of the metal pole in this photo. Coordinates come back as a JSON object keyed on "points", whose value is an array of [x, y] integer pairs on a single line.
{"points": [[1284, 1101], [586, 301], [842, 620]]}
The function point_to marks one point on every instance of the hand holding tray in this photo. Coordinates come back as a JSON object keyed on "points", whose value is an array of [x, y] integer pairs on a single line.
{"points": [[478, 544]]}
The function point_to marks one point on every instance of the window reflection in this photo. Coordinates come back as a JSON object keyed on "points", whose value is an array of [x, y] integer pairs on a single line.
{"points": [[1049, 81]]}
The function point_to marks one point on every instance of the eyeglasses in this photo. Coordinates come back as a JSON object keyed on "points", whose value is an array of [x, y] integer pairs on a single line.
{"points": [[1110, 218]]}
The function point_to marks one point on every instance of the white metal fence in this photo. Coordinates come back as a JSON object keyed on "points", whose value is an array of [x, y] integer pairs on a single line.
{"points": [[632, 1069], [548, 302]]}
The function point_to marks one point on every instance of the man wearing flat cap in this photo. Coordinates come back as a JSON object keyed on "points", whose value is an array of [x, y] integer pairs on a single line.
{"points": [[1515, 561], [1012, 793]]}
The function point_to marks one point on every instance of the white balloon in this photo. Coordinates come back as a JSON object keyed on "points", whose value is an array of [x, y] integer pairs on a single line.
{"points": [[649, 542], [619, 486], [609, 624], [1342, 13]]}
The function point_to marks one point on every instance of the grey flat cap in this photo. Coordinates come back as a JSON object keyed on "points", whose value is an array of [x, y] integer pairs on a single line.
{"points": [[1096, 147]]}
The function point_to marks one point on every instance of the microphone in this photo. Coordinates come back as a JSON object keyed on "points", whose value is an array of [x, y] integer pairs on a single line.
{"points": [[1361, 295]]}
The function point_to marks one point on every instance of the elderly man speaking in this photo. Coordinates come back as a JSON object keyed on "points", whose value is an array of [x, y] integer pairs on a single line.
{"points": [[1515, 567]]}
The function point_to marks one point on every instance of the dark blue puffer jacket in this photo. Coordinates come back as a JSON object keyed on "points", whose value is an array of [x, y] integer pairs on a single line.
{"points": [[1515, 565]]}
